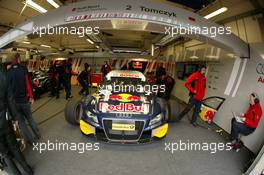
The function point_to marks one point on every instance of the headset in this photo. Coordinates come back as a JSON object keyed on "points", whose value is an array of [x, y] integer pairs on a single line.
{"points": [[255, 96]]}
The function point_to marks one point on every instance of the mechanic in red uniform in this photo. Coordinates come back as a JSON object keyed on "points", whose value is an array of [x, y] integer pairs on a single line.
{"points": [[196, 85], [249, 121], [105, 68], [19, 83]]}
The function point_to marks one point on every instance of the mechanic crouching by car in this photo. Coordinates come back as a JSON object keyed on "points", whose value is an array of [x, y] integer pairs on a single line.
{"points": [[196, 85], [20, 87], [9, 149], [246, 124], [83, 79]]}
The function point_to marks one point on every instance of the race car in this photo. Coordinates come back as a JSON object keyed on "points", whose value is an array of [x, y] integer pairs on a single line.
{"points": [[119, 113]]}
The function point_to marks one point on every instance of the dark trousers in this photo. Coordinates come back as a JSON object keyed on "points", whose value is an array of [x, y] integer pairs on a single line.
{"points": [[197, 107], [24, 111], [65, 82], [10, 151], [85, 87], [53, 86], [239, 128]]}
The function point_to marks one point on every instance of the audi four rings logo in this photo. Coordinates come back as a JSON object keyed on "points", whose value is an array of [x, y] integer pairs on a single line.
{"points": [[260, 69], [123, 115]]}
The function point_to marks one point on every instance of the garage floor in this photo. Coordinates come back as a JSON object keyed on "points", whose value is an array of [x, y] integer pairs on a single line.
{"points": [[126, 159]]}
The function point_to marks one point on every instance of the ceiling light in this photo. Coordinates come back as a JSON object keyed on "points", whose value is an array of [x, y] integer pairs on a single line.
{"points": [[194, 57], [215, 13], [43, 45], [152, 49], [90, 41], [53, 3], [97, 47], [26, 42], [35, 6], [127, 51]]}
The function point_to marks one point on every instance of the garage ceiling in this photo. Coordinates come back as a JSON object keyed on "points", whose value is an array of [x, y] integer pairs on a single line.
{"points": [[194, 4], [12, 13]]}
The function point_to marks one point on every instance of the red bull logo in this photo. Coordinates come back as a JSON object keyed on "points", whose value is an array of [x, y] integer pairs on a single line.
{"points": [[122, 107], [124, 98]]}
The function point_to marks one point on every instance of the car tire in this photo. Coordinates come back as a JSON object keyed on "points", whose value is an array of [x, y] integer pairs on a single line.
{"points": [[72, 111], [174, 107]]}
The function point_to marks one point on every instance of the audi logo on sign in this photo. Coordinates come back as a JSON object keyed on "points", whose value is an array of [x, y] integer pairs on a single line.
{"points": [[260, 69]]}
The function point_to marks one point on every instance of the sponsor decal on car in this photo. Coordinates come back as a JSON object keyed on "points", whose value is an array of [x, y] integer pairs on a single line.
{"points": [[124, 97], [122, 107]]}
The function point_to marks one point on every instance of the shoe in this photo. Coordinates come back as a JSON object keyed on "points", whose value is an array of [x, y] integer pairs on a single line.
{"points": [[237, 147], [194, 124]]}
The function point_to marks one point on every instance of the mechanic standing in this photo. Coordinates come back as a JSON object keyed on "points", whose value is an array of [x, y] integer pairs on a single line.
{"points": [[83, 79], [9, 148], [196, 85], [68, 75], [52, 79], [20, 86], [105, 69], [62, 78]]}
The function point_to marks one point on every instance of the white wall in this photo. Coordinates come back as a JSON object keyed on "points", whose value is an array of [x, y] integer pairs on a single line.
{"points": [[221, 64]]}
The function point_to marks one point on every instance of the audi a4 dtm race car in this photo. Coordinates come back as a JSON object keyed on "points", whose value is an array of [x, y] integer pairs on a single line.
{"points": [[123, 110]]}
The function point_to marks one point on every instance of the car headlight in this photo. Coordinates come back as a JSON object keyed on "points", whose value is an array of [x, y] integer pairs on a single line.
{"points": [[156, 119], [92, 116]]}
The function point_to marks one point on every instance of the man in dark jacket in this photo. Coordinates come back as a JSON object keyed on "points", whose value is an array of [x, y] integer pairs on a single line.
{"points": [[62, 78], [83, 79], [196, 85], [68, 75], [9, 148], [52, 79], [20, 86]]}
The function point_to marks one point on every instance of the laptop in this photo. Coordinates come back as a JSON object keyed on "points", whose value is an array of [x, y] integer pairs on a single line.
{"points": [[237, 117]]}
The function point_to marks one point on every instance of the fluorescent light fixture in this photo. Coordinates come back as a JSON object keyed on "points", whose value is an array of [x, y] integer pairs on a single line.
{"points": [[35, 6], [97, 47], [26, 42], [43, 45], [212, 56], [152, 49], [53, 3], [60, 59], [194, 57], [215, 13], [127, 51], [90, 41]]}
